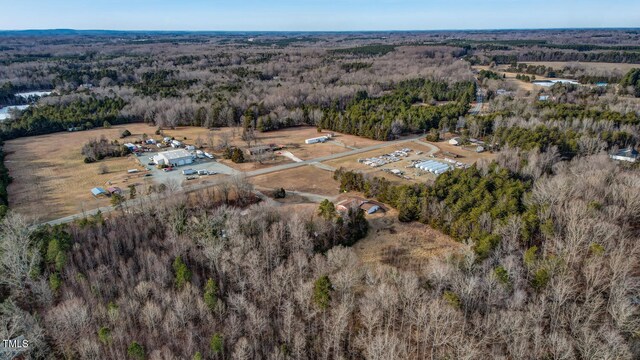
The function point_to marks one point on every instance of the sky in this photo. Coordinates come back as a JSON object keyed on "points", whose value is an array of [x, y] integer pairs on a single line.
{"points": [[316, 15]]}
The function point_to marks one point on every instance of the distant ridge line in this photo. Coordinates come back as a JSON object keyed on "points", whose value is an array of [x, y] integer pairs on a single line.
{"points": [[98, 32]]}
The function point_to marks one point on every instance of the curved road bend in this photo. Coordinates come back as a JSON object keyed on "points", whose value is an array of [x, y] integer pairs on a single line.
{"points": [[136, 202]]}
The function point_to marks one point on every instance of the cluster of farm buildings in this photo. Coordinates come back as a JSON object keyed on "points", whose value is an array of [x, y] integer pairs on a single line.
{"points": [[184, 154]]}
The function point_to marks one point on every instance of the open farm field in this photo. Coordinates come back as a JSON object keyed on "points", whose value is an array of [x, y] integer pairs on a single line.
{"points": [[601, 66], [308, 179], [469, 157], [403, 245], [251, 165], [51, 180]]}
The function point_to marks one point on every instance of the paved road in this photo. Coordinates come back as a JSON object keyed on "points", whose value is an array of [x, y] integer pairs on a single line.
{"points": [[340, 143], [479, 100], [137, 202], [323, 166]]}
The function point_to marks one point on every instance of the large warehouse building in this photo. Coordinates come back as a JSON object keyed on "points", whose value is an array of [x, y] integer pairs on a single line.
{"points": [[433, 166], [173, 158]]}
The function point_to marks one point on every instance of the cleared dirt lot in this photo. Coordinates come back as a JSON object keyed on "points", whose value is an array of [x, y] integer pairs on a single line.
{"points": [[305, 179], [403, 245], [464, 156], [51, 180]]}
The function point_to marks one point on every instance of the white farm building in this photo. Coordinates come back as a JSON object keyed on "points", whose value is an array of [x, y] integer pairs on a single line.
{"points": [[319, 139], [173, 158], [433, 166]]}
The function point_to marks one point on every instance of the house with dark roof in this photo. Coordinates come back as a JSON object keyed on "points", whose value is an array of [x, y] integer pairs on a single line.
{"points": [[369, 206]]}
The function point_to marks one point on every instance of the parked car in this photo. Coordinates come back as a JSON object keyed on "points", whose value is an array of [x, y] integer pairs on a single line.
{"points": [[151, 163], [148, 174], [167, 169]]}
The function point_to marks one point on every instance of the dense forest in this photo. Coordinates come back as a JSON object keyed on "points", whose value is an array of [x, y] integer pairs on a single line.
{"points": [[548, 230], [553, 274], [404, 110]]}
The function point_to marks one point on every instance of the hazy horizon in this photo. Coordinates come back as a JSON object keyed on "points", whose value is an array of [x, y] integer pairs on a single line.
{"points": [[316, 31], [316, 15]]}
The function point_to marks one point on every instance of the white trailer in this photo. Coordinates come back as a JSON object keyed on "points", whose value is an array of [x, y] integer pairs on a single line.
{"points": [[315, 140]]}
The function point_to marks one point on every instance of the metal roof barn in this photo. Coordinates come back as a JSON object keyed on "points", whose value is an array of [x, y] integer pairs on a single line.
{"points": [[96, 191], [174, 158], [433, 166]]}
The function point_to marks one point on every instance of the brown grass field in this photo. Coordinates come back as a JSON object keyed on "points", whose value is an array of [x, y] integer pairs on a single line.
{"points": [[464, 156], [391, 242], [305, 179], [249, 166], [292, 138], [50, 179], [600, 66], [403, 245]]}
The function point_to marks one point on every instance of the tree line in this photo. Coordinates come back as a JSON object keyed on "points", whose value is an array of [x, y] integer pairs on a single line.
{"points": [[457, 203], [49, 118], [632, 80], [536, 55], [5, 180], [405, 110]]}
